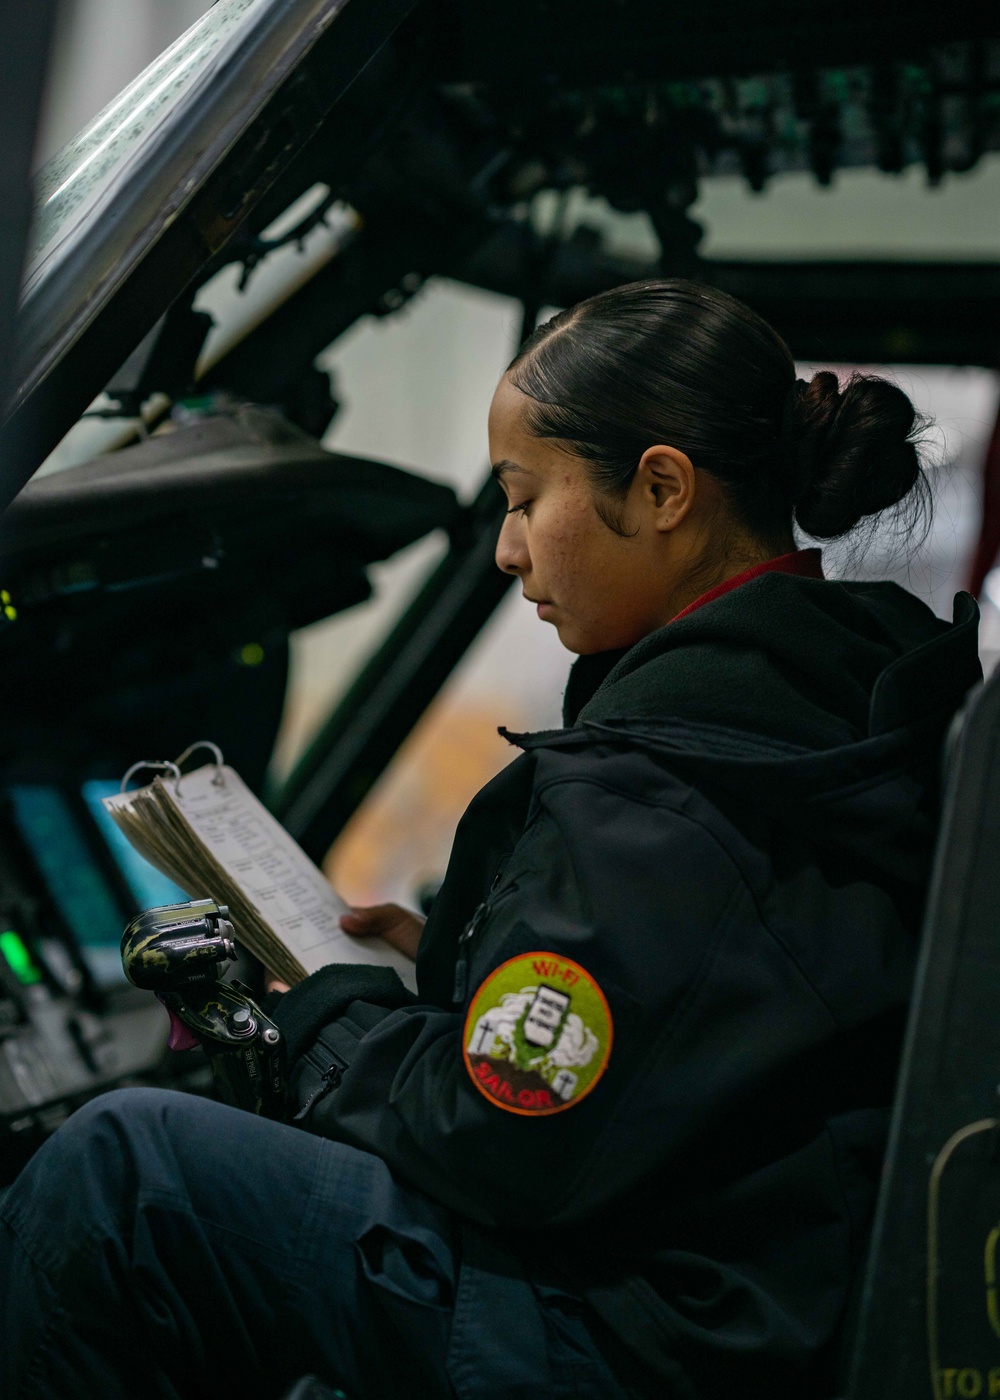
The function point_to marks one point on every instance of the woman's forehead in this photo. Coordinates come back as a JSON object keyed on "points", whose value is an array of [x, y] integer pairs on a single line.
{"points": [[510, 436], [508, 405]]}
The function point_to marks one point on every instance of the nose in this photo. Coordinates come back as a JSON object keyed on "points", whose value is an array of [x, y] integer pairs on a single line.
{"points": [[512, 548]]}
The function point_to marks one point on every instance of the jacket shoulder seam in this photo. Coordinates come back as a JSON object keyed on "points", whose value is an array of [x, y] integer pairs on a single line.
{"points": [[589, 781]]}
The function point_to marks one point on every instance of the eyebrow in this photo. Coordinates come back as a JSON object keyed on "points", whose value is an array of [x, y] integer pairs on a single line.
{"points": [[501, 469]]}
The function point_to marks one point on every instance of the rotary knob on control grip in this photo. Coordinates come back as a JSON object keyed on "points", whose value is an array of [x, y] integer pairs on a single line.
{"points": [[241, 1021]]}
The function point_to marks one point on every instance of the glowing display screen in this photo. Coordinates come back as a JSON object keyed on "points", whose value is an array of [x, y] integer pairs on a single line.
{"points": [[75, 882], [149, 887], [18, 958]]}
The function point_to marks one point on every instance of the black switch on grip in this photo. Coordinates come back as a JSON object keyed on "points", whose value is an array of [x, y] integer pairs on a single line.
{"points": [[178, 952]]}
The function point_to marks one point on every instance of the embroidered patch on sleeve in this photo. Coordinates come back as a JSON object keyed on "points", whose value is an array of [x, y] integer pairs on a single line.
{"points": [[538, 1034]]}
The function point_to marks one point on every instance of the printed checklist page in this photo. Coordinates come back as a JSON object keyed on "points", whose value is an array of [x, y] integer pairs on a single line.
{"points": [[275, 875]]}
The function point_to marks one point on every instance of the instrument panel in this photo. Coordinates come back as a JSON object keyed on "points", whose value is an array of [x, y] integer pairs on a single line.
{"points": [[70, 1025]]}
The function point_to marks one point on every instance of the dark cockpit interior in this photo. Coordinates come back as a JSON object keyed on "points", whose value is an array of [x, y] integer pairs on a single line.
{"points": [[147, 595]]}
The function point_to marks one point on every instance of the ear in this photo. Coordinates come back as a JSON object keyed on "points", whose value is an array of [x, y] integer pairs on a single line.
{"points": [[665, 484]]}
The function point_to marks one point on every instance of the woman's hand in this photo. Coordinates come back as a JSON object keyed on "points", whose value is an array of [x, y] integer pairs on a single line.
{"points": [[397, 926]]}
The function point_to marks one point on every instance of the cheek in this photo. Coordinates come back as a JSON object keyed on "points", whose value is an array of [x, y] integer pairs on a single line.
{"points": [[575, 552], [562, 542]]}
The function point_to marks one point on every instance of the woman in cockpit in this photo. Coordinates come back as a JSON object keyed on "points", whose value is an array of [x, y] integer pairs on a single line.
{"points": [[626, 1139]]}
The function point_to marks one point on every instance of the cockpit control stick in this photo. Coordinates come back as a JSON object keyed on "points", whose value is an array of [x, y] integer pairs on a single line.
{"points": [[178, 951]]}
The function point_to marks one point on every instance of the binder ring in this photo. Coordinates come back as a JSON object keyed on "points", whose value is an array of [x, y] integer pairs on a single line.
{"points": [[156, 763], [218, 780]]}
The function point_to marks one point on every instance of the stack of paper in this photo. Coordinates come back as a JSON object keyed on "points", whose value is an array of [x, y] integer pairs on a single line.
{"points": [[210, 835]]}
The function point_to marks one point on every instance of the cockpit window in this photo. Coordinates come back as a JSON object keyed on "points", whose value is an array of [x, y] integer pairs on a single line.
{"points": [[81, 177]]}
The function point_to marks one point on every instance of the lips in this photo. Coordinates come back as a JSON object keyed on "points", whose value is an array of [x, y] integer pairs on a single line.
{"points": [[542, 605]]}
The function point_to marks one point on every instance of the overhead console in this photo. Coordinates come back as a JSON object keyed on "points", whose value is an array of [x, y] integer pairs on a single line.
{"points": [[150, 593]]}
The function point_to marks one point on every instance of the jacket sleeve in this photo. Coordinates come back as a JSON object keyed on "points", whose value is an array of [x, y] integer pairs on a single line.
{"points": [[647, 901]]}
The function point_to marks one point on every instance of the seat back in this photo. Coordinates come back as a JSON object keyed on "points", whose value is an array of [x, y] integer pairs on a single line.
{"points": [[928, 1321]]}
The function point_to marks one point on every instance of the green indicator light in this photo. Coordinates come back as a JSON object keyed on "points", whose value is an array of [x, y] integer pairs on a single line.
{"points": [[18, 958], [10, 613], [252, 654]]}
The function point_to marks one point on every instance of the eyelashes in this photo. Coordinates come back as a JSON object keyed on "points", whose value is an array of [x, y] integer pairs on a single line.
{"points": [[522, 507]]}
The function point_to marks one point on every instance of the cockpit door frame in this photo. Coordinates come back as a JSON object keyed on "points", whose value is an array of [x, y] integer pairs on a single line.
{"points": [[200, 178]]}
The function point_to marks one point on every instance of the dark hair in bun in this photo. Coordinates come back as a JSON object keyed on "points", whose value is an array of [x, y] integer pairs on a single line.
{"points": [[684, 364], [849, 452]]}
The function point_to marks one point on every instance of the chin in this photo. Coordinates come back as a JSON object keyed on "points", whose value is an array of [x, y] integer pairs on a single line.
{"points": [[581, 646], [584, 643]]}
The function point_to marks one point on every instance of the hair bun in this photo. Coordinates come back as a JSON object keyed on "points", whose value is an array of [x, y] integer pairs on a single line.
{"points": [[849, 452]]}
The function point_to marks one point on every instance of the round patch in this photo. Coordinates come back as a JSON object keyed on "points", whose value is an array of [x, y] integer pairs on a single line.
{"points": [[538, 1034]]}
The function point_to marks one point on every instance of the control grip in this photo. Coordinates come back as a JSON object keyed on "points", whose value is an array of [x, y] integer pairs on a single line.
{"points": [[245, 1048]]}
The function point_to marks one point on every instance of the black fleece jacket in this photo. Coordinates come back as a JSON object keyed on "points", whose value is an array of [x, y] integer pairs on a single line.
{"points": [[711, 884]]}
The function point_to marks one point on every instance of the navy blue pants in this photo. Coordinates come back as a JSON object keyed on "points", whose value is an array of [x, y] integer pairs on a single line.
{"points": [[166, 1247]]}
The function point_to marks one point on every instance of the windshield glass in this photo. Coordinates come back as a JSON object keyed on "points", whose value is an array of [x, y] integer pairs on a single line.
{"points": [[79, 178]]}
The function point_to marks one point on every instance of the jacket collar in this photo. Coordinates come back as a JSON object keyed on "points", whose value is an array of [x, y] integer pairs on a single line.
{"points": [[814, 663], [590, 672], [801, 563]]}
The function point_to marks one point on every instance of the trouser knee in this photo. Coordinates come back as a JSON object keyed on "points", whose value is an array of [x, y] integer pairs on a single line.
{"points": [[116, 1125], [94, 1162]]}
